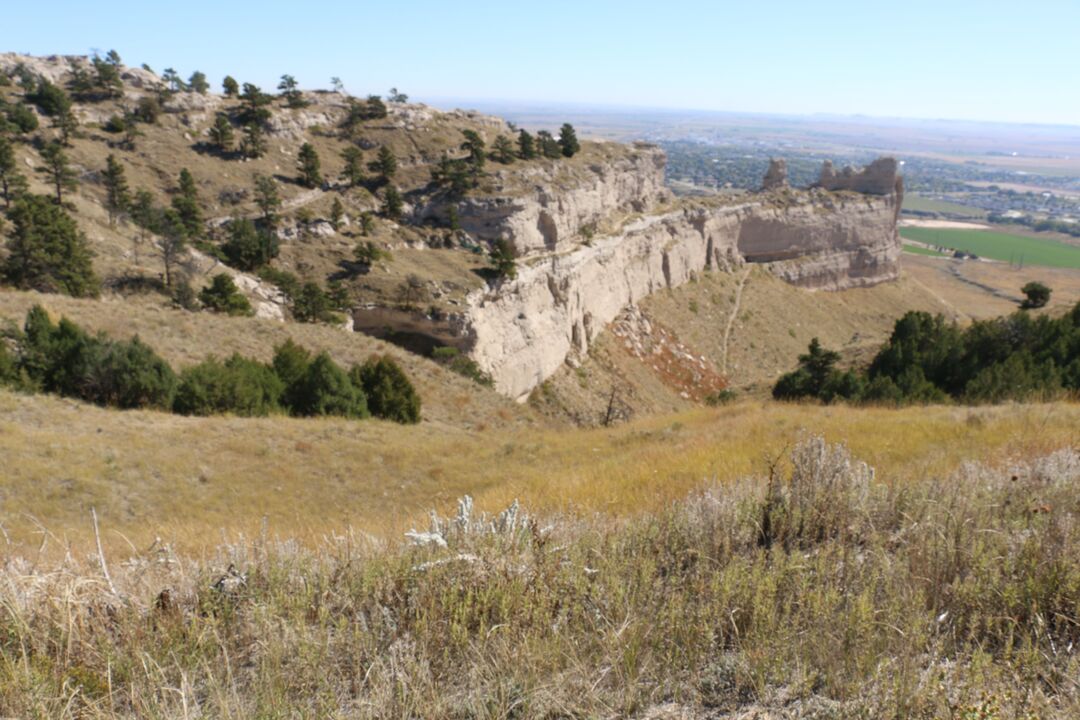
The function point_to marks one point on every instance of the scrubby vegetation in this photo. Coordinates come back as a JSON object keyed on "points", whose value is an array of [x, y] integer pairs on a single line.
{"points": [[822, 590], [928, 359], [62, 358]]}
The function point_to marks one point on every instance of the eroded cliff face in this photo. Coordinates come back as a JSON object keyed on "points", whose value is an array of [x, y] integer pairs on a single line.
{"points": [[522, 331], [554, 211]]}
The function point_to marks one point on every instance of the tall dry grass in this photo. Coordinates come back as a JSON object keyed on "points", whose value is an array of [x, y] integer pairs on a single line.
{"points": [[824, 589]]}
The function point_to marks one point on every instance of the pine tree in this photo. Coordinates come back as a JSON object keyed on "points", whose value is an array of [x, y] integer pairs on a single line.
{"points": [[526, 145], [222, 295], [454, 175], [173, 80], [221, 134], [172, 241], [67, 124], [502, 258], [248, 247], [12, 182], [46, 251], [474, 145], [392, 203], [309, 166], [198, 82], [186, 204], [549, 146], [117, 194], [353, 173], [58, 170], [267, 198], [504, 150], [108, 75], [568, 141], [131, 132], [390, 394], [254, 144], [385, 164], [337, 213], [230, 87], [255, 102], [367, 223], [291, 92], [145, 216]]}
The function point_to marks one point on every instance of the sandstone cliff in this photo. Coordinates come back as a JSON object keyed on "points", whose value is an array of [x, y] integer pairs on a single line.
{"points": [[553, 209], [523, 331]]}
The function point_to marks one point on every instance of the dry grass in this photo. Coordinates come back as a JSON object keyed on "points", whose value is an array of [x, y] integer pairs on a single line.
{"points": [[191, 480], [826, 591]]}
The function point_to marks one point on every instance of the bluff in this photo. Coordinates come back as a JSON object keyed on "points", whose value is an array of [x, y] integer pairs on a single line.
{"points": [[523, 330]]}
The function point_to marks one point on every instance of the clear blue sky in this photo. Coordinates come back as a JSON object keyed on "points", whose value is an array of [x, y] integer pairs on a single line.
{"points": [[971, 59]]}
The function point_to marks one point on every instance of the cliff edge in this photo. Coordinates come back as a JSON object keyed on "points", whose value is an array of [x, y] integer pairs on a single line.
{"points": [[838, 235]]}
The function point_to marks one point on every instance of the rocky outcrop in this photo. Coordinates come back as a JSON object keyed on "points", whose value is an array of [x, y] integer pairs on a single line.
{"points": [[825, 241], [559, 207], [524, 330], [776, 176], [878, 178]]}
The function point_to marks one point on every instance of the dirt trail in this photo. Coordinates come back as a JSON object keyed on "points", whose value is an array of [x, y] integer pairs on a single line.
{"points": [[955, 269], [731, 319]]}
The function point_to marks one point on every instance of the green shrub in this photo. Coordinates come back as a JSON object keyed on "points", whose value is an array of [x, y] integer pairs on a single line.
{"points": [[115, 124], [290, 363], [184, 296], [1037, 295], [452, 359], [325, 389], [285, 281], [222, 296], [22, 117], [64, 359], [390, 394], [368, 253], [720, 397], [239, 386]]}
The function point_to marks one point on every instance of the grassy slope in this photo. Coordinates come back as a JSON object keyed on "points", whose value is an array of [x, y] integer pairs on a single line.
{"points": [[999, 246], [189, 479]]}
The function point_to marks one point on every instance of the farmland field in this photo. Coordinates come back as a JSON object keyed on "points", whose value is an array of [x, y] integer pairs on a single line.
{"points": [[918, 203], [999, 246]]}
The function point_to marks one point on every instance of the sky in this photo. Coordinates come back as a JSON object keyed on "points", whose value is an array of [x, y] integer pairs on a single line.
{"points": [[998, 60]]}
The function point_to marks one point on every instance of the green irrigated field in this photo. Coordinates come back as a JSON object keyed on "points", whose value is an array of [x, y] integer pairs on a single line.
{"points": [[920, 250], [999, 246]]}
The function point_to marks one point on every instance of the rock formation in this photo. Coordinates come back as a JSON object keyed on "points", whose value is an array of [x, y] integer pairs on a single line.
{"points": [[776, 176], [878, 178], [521, 332], [555, 212]]}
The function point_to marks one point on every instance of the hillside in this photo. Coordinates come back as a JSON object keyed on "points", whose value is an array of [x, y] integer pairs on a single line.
{"points": [[185, 338]]}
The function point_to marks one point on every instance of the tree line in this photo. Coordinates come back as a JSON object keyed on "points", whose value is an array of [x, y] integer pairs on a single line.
{"points": [[63, 359], [928, 359]]}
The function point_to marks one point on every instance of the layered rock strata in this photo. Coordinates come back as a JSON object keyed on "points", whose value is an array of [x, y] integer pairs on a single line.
{"points": [[545, 217], [524, 330]]}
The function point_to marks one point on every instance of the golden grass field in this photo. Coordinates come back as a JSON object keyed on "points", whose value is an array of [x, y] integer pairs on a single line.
{"points": [[196, 481]]}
